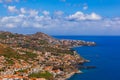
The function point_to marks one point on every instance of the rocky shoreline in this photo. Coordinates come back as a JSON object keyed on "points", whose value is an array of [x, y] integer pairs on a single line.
{"points": [[82, 62], [71, 74]]}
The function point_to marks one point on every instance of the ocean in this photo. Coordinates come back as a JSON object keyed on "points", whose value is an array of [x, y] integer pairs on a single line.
{"points": [[105, 56]]}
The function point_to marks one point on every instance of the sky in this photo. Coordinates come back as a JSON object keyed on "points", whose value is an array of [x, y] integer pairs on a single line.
{"points": [[61, 17]]}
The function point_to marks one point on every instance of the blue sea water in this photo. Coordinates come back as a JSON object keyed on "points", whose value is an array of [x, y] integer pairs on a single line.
{"points": [[105, 56]]}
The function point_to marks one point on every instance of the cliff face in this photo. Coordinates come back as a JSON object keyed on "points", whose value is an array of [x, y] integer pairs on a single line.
{"points": [[35, 55]]}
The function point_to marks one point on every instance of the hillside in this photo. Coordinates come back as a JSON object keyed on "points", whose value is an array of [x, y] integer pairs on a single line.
{"points": [[38, 56]]}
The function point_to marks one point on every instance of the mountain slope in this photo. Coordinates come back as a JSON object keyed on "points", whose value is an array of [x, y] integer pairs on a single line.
{"points": [[35, 55]]}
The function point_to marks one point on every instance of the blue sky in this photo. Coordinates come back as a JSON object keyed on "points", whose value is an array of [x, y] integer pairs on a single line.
{"points": [[61, 17]]}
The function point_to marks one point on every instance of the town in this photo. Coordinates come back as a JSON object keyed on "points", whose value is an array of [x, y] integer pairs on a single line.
{"points": [[38, 57]]}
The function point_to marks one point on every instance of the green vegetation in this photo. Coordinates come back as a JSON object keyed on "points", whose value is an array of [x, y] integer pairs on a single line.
{"points": [[10, 53], [2, 36], [22, 71], [45, 75], [57, 50], [29, 55], [43, 42], [9, 61]]}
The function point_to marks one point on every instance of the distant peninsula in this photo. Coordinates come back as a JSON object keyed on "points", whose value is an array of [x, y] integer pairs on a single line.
{"points": [[38, 57]]}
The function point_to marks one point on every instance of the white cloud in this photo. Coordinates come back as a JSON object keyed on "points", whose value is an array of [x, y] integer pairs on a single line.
{"points": [[33, 13], [22, 10], [10, 25], [81, 16], [30, 12], [12, 9], [78, 23], [93, 16], [77, 16], [46, 13], [58, 13]]}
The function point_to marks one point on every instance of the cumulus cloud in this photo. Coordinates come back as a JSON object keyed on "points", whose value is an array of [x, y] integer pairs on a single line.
{"points": [[32, 19], [81, 16], [93, 16], [58, 13], [46, 13], [30, 12], [78, 23], [33, 13], [23, 11], [12, 9], [43, 21], [10, 25]]}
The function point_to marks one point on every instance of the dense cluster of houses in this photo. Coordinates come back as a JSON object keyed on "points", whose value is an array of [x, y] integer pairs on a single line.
{"points": [[57, 63]]}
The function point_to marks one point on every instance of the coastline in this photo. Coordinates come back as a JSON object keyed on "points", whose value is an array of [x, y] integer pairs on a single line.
{"points": [[68, 76], [72, 74]]}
